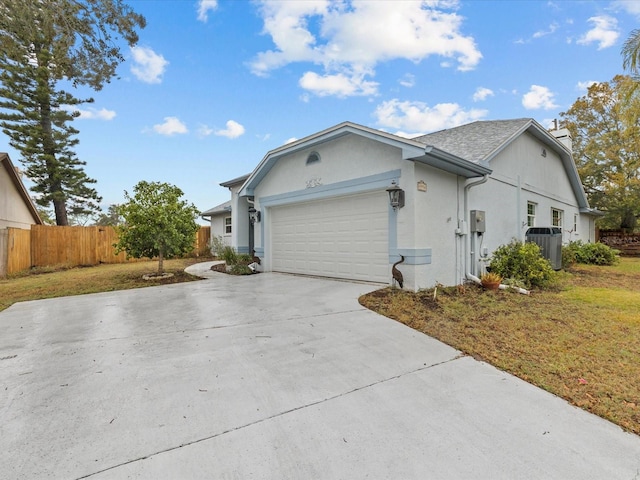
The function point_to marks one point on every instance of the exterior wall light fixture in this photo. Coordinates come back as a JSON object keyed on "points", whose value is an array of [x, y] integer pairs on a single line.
{"points": [[396, 196], [254, 215]]}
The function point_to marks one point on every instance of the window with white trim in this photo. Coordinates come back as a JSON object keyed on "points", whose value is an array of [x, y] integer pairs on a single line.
{"points": [[575, 223], [531, 214], [556, 217], [227, 225]]}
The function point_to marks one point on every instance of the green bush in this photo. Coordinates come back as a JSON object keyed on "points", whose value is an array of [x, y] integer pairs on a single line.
{"points": [[217, 245], [569, 256], [524, 263], [229, 255], [244, 259], [239, 269], [593, 253]]}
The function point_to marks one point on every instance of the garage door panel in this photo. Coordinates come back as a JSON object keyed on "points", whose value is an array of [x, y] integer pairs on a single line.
{"points": [[343, 237]]}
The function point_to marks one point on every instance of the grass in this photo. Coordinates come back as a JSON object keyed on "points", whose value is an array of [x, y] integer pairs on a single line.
{"points": [[59, 281], [580, 341]]}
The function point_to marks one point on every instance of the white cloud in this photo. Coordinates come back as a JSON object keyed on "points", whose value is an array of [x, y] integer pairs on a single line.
{"points": [[604, 32], [542, 33], [171, 126], [630, 6], [408, 80], [482, 93], [338, 36], [584, 86], [91, 113], [204, 131], [419, 117], [148, 65], [340, 85], [203, 9], [538, 97], [233, 130]]}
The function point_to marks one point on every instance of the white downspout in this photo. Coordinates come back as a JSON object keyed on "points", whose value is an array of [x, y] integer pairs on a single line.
{"points": [[467, 243]]}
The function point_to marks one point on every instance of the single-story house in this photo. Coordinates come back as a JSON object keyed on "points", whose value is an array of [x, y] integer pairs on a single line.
{"points": [[16, 208], [328, 204], [224, 219]]}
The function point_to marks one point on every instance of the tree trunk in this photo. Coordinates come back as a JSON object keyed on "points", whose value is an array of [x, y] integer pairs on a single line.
{"points": [[160, 263], [61, 213], [49, 146]]}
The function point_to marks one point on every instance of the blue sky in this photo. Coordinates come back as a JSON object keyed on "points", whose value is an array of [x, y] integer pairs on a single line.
{"points": [[213, 85]]}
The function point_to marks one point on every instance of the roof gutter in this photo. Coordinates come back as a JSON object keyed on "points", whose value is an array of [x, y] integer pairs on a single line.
{"points": [[452, 163]]}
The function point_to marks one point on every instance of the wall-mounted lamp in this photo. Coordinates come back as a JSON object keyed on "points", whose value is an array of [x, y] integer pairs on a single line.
{"points": [[396, 195], [254, 215]]}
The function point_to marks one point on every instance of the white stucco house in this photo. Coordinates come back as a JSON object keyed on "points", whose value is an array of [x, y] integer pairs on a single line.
{"points": [[16, 208], [225, 220], [321, 204]]}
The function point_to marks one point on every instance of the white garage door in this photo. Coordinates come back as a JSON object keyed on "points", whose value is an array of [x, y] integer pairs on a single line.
{"points": [[343, 237]]}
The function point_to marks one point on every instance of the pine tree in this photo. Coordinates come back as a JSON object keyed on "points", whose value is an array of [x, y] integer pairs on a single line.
{"points": [[43, 44]]}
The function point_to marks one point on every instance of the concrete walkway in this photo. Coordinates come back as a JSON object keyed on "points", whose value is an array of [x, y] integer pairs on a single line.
{"points": [[271, 376]]}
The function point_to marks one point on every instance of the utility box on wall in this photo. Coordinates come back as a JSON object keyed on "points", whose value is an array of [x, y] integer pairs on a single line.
{"points": [[476, 221]]}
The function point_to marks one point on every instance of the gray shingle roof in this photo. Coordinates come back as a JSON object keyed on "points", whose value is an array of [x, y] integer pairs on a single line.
{"points": [[475, 141], [217, 210]]}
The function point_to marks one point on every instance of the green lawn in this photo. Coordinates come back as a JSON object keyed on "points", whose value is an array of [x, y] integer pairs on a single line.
{"points": [[49, 283]]}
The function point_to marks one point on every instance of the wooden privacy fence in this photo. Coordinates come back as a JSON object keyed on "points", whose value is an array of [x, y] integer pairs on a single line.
{"points": [[627, 243], [71, 246]]}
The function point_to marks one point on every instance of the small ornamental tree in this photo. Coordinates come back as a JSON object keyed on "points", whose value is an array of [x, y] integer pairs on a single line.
{"points": [[157, 223]]}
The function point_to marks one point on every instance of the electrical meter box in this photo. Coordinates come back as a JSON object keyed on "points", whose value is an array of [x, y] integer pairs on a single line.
{"points": [[476, 221]]}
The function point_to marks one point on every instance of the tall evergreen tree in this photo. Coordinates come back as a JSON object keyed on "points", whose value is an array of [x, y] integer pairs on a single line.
{"points": [[45, 44]]}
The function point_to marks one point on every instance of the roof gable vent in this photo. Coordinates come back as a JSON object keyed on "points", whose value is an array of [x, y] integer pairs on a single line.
{"points": [[314, 157]]}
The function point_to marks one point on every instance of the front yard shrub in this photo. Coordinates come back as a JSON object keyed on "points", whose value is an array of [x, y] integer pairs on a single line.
{"points": [[569, 254], [229, 255], [244, 259], [593, 253], [237, 263], [523, 262], [239, 269], [216, 245]]}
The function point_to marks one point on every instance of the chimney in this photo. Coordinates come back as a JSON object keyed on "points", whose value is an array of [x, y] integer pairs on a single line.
{"points": [[562, 135], [19, 172]]}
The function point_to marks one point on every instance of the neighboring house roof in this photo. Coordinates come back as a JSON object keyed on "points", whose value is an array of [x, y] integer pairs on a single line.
{"points": [[411, 150], [223, 208], [5, 161], [235, 181], [481, 141]]}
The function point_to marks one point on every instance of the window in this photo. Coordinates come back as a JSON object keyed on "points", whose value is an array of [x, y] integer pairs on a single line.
{"points": [[575, 222], [531, 214], [314, 157], [556, 217], [227, 225]]}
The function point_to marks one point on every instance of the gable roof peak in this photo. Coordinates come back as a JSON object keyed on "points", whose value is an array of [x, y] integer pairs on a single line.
{"points": [[477, 141]]}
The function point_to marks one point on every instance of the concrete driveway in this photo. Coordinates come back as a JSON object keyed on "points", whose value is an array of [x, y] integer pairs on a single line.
{"points": [[271, 376]]}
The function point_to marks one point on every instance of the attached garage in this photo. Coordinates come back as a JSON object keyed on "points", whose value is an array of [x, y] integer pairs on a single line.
{"points": [[340, 237]]}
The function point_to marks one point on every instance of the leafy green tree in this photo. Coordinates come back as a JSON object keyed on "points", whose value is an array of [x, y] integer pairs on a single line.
{"points": [[45, 45], [605, 126], [110, 219], [157, 223]]}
